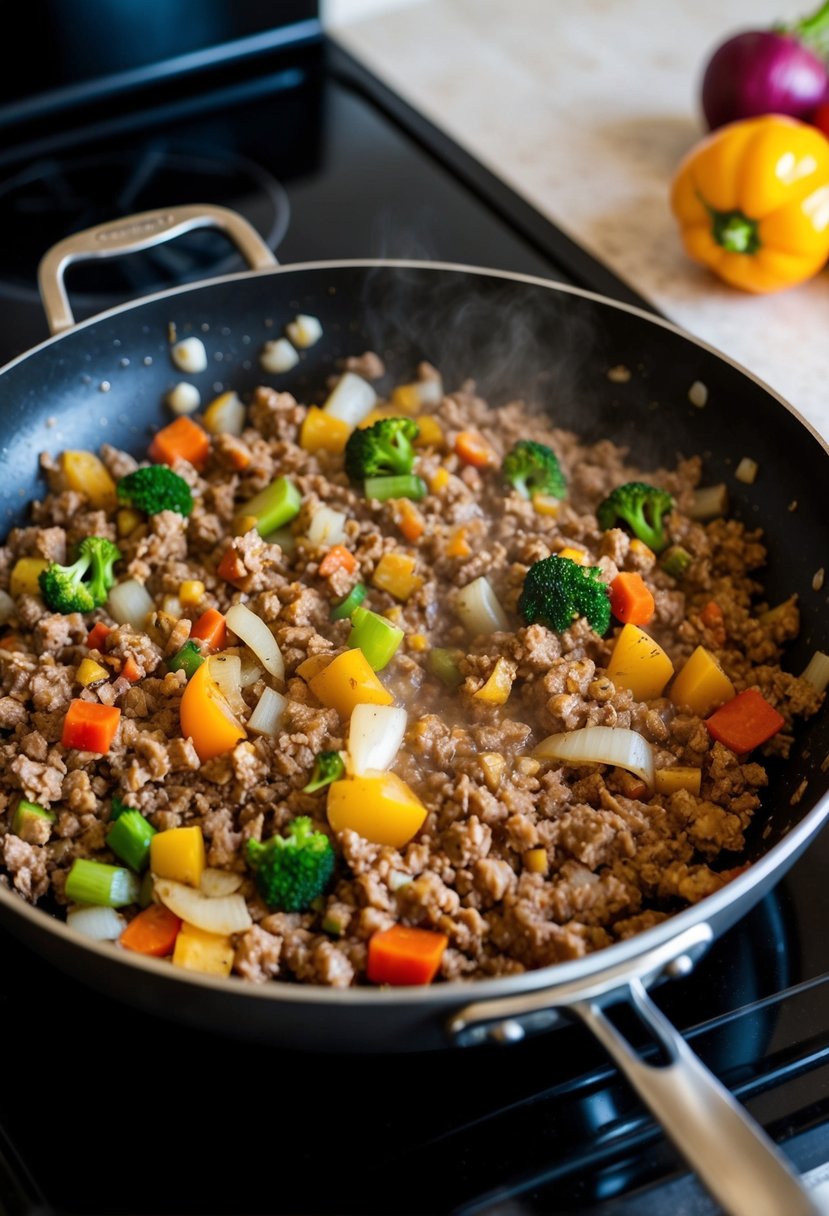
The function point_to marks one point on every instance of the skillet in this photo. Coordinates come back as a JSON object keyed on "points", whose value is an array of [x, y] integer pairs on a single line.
{"points": [[519, 337]]}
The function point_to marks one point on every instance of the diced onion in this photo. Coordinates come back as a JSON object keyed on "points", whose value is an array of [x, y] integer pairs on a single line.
{"points": [[223, 914], [253, 631], [746, 471], [351, 400], [130, 603], [816, 671], [327, 527], [304, 331], [226, 671], [601, 745], [709, 502], [216, 883], [375, 733], [184, 398], [278, 356], [225, 415], [6, 607], [267, 715], [698, 394], [189, 355], [430, 392], [479, 609], [98, 923]]}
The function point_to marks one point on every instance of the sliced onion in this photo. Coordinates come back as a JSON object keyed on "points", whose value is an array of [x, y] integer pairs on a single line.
{"points": [[6, 607], [217, 883], [479, 609], [98, 923], [225, 415], [267, 716], [816, 671], [601, 745], [253, 631], [327, 527], [226, 670], [223, 914], [351, 400], [250, 670], [130, 603], [375, 733]]}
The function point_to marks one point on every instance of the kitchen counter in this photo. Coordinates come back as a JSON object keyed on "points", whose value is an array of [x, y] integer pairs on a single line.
{"points": [[585, 110]]}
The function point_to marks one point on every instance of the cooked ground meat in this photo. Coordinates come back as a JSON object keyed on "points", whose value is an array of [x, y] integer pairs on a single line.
{"points": [[519, 861]]}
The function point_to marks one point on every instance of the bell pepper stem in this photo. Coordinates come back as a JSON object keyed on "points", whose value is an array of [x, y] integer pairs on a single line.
{"points": [[734, 231]]}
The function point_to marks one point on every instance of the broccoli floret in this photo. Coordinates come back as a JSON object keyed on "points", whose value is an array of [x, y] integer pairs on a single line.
{"points": [[382, 449], [642, 507], [328, 767], [533, 468], [557, 591], [155, 488], [64, 588], [292, 870]]}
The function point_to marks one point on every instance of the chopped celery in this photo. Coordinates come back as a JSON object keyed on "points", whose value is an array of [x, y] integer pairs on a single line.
{"points": [[147, 889], [353, 600], [328, 767], [118, 807], [26, 814], [402, 485], [444, 664], [129, 838], [94, 882], [375, 636], [275, 506], [188, 659], [675, 561]]}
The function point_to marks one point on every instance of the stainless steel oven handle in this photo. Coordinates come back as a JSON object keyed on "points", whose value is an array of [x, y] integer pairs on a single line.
{"points": [[131, 235], [732, 1156]]}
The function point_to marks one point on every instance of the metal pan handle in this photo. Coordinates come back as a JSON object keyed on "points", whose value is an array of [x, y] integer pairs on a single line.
{"points": [[731, 1154], [131, 235]]}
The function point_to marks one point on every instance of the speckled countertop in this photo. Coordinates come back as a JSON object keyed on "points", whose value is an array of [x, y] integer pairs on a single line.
{"points": [[585, 109]]}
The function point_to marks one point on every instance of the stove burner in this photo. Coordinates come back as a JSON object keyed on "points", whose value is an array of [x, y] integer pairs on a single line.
{"points": [[55, 197]]}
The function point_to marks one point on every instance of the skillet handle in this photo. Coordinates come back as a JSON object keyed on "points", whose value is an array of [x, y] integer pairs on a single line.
{"points": [[741, 1167], [132, 234]]}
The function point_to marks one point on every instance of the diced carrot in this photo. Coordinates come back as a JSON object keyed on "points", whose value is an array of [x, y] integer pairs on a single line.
{"points": [[409, 520], [472, 449], [459, 546], [129, 669], [745, 722], [90, 726], [404, 955], [211, 629], [96, 635], [338, 558], [231, 568], [181, 440], [153, 931], [631, 601], [714, 621]]}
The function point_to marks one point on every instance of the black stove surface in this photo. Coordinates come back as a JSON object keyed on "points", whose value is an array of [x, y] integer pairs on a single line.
{"points": [[105, 1110]]}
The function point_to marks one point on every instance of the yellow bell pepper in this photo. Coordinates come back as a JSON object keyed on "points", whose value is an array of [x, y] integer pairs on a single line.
{"points": [[395, 573], [90, 672], [701, 685], [752, 202], [497, 688], [206, 717], [347, 681], [322, 432], [680, 777], [536, 861], [639, 663], [197, 950], [127, 520], [87, 473], [23, 579], [380, 807], [178, 854]]}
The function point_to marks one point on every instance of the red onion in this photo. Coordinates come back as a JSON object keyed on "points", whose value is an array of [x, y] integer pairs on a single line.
{"points": [[776, 71]]}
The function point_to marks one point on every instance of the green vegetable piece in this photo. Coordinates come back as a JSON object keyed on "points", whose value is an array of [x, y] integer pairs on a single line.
{"points": [[117, 808], [641, 506], [346, 606], [328, 767], [404, 486], [533, 468], [443, 664], [292, 870], [129, 838], [64, 588], [188, 659], [376, 637], [28, 820], [383, 449], [155, 488], [146, 891], [675, 561], [274, 506], [95, 882], [557, 591]]}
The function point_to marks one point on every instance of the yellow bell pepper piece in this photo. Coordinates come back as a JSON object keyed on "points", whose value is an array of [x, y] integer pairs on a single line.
{"points": [[197, 950], [24, 576], [417, 642], [313, 665], [127, 520], [680, 777], [87, 473], [459, 546], [347, 681], [536, 861], [638, 663], [546, 504], [498, 687], [751, 202], [379, 807], [206, 717], [191, 592], [406, 398], [430, 434], [90, 672], [575, 555], [439, 480], [321, 432], [395, 573], [701, 685], [178, 854]]}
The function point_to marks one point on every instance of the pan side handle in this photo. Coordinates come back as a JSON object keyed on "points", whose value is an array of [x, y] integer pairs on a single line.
{"points": [[131, 235], [740, 1166]]}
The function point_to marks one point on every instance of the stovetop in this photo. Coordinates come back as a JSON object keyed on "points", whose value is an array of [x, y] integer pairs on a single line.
{"points": [[106, 1110]]}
